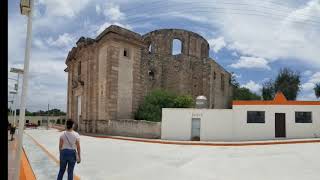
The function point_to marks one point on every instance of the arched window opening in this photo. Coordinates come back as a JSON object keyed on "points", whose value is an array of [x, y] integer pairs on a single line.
{"points": [[176, 47], [126, 52], [150, 48], [151, 75]]}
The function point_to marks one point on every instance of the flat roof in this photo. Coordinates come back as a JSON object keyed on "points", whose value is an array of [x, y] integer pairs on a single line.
{"points": [[279, 99]]}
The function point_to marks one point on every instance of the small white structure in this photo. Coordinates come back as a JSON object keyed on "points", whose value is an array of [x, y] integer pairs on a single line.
{"points": [[248, 120]]}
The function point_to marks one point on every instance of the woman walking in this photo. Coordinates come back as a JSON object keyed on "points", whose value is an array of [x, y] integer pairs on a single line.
{"points": [[69, 148]]}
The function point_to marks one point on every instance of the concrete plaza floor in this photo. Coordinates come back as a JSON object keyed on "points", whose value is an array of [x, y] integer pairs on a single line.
{"points": [[113, 159]]}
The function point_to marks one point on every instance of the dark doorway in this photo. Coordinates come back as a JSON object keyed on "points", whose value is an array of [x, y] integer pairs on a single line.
{"points": [[280, 125]]}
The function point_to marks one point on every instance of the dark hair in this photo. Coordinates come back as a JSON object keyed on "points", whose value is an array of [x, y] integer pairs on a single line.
{"points": [[69, 123]]}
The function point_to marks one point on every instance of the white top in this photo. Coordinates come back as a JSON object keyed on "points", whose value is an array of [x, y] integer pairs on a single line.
{"points": [[72, 136]]}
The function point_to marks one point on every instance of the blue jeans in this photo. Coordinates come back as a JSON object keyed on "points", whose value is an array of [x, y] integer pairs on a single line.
{"points": [[67, 157]]}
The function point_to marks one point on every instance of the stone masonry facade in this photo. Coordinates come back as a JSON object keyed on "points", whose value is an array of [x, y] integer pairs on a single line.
{"points": [[109, 76]]}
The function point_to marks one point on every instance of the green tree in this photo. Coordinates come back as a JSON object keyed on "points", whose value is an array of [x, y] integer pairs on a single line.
{"points": [[183, 101], [288, 82], [317, 90], [151, 108], [242, 93], [268, 91]]}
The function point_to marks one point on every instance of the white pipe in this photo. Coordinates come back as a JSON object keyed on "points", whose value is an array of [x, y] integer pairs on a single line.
{"points": [[24, 93]]}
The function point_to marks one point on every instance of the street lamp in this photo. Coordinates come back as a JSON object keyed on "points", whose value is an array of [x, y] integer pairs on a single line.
{"points": [[15, 94], [26, 8], [16, 70], [16, 87]]}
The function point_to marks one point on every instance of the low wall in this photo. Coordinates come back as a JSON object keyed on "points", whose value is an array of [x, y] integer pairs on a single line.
{"points": [[215, 124], [123, 127]]}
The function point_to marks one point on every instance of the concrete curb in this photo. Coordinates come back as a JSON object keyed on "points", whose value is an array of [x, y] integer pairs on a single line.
{"points": [[26, 172], [235, 144]]}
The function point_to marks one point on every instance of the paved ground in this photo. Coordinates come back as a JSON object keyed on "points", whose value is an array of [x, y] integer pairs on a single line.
{"points": [[118, 159], [12, 147]]}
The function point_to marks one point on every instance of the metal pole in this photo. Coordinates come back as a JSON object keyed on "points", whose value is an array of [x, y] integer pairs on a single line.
{"points": [[24, 93], [48, 118], [15, 101]]}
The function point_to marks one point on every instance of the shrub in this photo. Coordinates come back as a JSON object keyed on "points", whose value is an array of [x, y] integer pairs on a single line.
{"points": [[151, 108]]}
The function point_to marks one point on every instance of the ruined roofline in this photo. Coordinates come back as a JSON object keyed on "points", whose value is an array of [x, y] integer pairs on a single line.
{"points": [[111, 29], [221, 67], [119, 30], [174, 29]]}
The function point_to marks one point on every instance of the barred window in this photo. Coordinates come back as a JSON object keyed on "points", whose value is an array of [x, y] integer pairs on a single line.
{"points": [[303, 117], [255, 117]]}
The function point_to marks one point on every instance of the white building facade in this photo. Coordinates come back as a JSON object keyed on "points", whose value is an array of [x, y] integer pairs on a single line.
{"points": [[247, 120]]}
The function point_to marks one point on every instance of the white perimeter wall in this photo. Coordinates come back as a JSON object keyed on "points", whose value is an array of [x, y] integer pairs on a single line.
{"points": [[216, 124], [231, 124]]}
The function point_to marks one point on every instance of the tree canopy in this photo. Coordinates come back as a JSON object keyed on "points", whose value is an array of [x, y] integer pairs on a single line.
{"points": [[242, 93], [287, 81], [151, 108], [317, 90]]}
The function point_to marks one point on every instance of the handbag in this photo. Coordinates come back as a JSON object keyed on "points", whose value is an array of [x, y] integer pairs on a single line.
{"points": [[77, 155]]}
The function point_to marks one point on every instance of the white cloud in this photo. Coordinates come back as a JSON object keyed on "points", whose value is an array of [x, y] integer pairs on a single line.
{"points": [[264, 29], [64, 40], [238, 76], [113, 12], [253, 86], [64, 8], [307, 73], [251, 63], [307, 97], [217, 44], [308, 86], [101, 28], [315, 78], [47, 78], [307, 92], [235, 54], [98, 9]]}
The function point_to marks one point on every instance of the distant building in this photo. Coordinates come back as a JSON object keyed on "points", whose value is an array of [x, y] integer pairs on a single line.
{"points": [[248, 120], [109, 76], [41, 120]]}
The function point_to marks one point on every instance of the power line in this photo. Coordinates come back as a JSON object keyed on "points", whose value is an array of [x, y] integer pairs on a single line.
{"points": [[230, 11], [203, 5], [192, 11]]}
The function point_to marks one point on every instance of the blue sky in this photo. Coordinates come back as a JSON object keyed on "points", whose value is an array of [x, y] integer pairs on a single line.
{"points": [[251, 38]]}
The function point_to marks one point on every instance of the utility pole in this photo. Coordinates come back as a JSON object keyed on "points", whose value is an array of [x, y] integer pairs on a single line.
{"points": [[48, 118], [26, 8], [15, 101]]}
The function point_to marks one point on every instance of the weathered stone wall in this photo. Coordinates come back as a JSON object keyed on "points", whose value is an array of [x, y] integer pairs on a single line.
{"points": [[127, 127], [191, 72]]}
